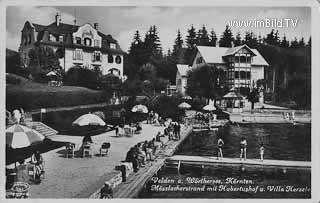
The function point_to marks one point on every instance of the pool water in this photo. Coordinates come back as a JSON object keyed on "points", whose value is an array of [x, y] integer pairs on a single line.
{"points": [[281, 141]]}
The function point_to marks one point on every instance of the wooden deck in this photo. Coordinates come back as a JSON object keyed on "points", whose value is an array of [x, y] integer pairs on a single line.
{"points": [[202, 160]]}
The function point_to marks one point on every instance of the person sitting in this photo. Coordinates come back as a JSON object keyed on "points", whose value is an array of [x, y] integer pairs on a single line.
{"points": [[37, 160], [130, 157], [147, 150], [141, 154], [106, 192]]}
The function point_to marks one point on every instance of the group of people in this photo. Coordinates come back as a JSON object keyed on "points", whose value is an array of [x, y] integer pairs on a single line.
{"points": [[141, 153], [135, 128], [243, 149], [173, 130]]}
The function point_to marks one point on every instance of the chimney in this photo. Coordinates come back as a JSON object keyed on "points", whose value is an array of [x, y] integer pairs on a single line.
{"points": [[232, 44], [96, 26], [58, 19]]}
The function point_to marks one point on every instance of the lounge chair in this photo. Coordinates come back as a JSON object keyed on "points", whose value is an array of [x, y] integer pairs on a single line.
{"points": [[104, 148], [87, 149], [69, 150]]}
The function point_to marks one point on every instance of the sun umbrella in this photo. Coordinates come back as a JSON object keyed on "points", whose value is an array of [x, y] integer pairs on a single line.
{"points": [[140, 108], [233, 95], [209, 108], [89, 119], [51, 73], [19, 136], [184, 105], [100, 114]]}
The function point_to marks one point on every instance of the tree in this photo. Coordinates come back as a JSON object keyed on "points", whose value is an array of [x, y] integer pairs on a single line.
{"points": [[253, 96], [302, 43], [203, 37], [238, 41], [191, 41], [152, 46], [226, 38], [294, 43], [206, 81], [177, 47], [284, 42], [213, 39]]}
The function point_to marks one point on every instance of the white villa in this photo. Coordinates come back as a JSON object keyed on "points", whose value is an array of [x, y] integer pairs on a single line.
{"points": [[243, 66], [83, 46]]}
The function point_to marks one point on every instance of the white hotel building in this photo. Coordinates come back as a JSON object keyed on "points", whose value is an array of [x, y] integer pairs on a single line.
{"points": [[83, 46]]}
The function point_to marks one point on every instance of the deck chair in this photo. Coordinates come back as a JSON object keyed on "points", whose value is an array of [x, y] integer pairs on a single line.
{"points": [[69, 150], [128, 132], [87, 149], [32, 170], [104, 148]]}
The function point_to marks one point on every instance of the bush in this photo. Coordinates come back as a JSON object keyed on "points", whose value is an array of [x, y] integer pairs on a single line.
{"points": [[78, 76], [10, 79]]}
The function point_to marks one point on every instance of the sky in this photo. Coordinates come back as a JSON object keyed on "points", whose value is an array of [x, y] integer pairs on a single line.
{"points": [[122, 22]]}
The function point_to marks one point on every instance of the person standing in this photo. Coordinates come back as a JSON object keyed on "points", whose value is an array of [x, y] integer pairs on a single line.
{"points": [[243, 148], [37, 160], [117, 130], [220, 145], [261, 152]]}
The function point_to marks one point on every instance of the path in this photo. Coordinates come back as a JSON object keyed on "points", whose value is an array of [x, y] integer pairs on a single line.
{"points": [[80, 177]]}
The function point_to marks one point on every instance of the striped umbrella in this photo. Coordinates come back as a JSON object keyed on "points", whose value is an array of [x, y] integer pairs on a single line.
{"points": [[19, 136], [89, 119], [140, 108]]}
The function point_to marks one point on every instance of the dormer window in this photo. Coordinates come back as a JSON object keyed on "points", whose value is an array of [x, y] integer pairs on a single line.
{"points": [[78, 40], [87, 42], [97, 43], [112, 45]]}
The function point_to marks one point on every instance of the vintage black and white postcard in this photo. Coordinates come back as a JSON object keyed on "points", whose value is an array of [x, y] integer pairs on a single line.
{"points": [[160, 100]]}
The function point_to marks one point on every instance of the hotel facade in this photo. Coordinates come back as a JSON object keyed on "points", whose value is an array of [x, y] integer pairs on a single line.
{"points": [[242, 65], [83, 46]]}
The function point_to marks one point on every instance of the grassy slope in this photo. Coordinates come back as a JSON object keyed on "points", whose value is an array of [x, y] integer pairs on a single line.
{"points": [[31, 95]]}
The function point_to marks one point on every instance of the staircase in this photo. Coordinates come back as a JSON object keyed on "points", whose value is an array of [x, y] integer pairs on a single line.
{"points": [[41, 128]]}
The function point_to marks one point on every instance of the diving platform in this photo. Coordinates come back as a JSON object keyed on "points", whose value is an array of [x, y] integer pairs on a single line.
{"points": [[267, 163]]}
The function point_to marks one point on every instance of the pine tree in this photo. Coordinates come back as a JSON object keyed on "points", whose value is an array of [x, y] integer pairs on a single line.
{"points": [[191, 38], [260, 39], [177, 48], [238, 41], [302, 43], [191, 41], [213, 39], [294, 43], [284, 42], [309, 42], [276, 40], [203, 37], [270, 37], [152, 44], [226, 38]]}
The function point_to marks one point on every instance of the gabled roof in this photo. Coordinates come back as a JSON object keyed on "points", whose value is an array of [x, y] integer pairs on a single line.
{"points": [[183, 69], [233, 50], [214, 55]]}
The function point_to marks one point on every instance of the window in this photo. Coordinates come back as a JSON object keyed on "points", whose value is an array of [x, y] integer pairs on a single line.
{"points": [[78, 40], [199, 60], [96, 56], [110, 58], [60, 38], [77, 54], [97, 43], [87, 42], [112, 45], [29, 39], [118, 59], [25, 40]]}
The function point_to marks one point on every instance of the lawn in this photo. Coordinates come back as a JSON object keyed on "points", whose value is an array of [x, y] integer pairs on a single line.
{"points": [[24, 93]]}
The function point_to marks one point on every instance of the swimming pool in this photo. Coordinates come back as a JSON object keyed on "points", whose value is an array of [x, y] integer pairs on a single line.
{"points": [[281, 141]]}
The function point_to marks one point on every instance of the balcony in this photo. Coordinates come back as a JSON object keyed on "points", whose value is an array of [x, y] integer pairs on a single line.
{"points": [[241, 65]]}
